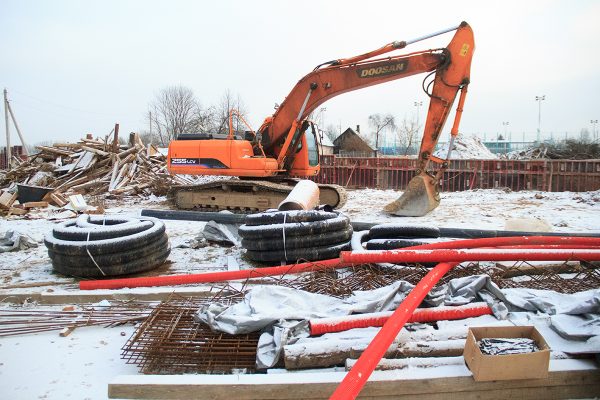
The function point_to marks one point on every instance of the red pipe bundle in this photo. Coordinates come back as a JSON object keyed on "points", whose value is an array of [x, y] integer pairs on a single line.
{"points": [[223, 276], [356, 378], [444, 313]]}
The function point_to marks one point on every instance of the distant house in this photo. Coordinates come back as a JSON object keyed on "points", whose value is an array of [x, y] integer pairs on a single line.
{"points": [[326, 146], [350, 144]]}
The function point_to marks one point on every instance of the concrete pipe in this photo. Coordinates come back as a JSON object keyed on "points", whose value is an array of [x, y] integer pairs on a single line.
{"points": [[304, 196]]}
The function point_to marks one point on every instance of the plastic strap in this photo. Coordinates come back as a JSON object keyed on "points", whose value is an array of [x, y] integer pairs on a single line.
{"points": [[90, 254], [283, 231]]}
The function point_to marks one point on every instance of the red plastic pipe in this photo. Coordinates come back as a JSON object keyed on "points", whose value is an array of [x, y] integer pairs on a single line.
{"points": [[356, 378], [221, 276], [443, 313], [209, 277], [522, 241], [462, 255]]}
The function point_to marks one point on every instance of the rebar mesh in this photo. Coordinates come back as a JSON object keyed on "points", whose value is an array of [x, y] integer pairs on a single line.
{"points": [[169, 341]]}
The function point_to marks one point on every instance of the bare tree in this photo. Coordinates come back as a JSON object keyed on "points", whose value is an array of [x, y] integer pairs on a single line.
{"points": [[219, 115], [173, 111], [332, 132], [379, 123], [584, 136], [407, 134]]}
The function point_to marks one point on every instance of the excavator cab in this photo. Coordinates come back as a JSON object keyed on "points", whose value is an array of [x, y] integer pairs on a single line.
{"points": [[306, 163]]}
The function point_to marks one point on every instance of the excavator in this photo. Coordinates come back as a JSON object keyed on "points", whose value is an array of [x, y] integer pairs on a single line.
{"points": [[285, 146]]}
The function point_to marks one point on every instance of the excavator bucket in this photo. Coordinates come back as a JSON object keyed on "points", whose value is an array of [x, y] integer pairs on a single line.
{"points": [[420, 197]]}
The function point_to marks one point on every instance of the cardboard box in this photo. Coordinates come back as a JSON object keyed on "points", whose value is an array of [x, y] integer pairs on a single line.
{"points": [[506, 367]]}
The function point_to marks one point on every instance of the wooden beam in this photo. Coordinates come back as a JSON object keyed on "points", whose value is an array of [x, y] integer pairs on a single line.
{"points": [[567, 379]]}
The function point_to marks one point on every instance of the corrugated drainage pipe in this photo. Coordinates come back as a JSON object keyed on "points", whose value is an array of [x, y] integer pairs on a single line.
{"points": [[443, 313], [210, 277]]}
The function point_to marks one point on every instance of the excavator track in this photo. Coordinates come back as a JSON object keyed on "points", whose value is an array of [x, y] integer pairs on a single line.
{"points": [[247, 195]]}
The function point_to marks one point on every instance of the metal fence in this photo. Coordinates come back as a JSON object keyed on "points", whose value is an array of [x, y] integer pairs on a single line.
{"points": [[395, 172]]}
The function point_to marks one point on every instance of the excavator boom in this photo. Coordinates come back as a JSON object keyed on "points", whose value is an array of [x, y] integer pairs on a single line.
{"points": [[281, 145]]}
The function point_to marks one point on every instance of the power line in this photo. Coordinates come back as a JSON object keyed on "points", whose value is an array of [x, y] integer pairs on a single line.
{"points": [[51, 103]]}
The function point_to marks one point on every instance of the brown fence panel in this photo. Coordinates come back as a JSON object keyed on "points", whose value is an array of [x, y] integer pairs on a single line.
{"points": [[396, 172]]}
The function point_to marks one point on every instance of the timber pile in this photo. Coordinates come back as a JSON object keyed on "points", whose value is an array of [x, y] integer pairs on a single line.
{"points": [[93, 167], [532, 153]]}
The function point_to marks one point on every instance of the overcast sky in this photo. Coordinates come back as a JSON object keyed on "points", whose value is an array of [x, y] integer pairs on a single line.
{"points": [[73, 67]]}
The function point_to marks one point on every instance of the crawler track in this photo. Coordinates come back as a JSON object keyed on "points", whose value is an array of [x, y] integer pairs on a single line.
{"points": [[246, 195]]}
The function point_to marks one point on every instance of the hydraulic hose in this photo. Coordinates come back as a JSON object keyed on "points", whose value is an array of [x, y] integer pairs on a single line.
{"points": [[443, 313]]}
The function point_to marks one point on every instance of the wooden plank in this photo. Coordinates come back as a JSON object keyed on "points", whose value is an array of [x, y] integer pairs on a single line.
{"points": [[54, 150], [571, 378], [96, 151], [7, 199], [16, 296], [17, 211], [35, 204]]}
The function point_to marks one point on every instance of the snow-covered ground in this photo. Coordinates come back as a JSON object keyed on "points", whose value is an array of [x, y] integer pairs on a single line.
{"points": [[482, 209], [47, 366], [487, 209]]}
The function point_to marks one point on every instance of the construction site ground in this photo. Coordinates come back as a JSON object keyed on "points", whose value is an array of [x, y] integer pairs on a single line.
{"points": [[81, 365]]}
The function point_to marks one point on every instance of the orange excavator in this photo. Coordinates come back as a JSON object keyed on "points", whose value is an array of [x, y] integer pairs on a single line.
{"points": [[285, 146]]}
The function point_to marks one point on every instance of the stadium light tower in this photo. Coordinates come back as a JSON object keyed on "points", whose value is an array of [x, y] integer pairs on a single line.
{"points": [[505, 124], [539, 99]]}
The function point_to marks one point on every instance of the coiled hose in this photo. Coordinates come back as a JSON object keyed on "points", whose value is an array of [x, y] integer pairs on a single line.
{"points": [[272, 237], [104, 246]]}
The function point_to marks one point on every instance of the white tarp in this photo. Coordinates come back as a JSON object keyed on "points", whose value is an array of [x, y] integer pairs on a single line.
{"points": [[281, 313]]}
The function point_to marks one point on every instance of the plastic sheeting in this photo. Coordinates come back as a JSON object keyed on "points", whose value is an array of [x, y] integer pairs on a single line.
{"points": [[281, 313], [15, 241]]}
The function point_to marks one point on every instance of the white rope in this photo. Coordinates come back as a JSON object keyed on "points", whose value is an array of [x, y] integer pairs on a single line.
{"points": [[284, 249], [90, 254]]}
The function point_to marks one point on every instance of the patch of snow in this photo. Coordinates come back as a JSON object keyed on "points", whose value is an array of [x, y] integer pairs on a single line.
{"points": [[47, 366]]}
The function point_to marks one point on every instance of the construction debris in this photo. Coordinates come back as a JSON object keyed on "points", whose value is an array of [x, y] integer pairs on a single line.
{"points": [[91, 166], [14, 241], [24, 321]]}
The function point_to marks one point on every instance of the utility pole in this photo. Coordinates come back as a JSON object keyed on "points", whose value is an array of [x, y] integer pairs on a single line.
{"points": [[14, 120], [539, 99], [8, 155]]}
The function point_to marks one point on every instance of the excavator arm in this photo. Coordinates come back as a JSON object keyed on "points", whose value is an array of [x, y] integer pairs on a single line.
{"points": [[451, 65], [280, 146]]}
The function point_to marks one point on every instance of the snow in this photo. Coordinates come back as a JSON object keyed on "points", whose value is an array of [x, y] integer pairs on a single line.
{"points": [[47, 366], [466, 148], [80, 365], [486, 209]]}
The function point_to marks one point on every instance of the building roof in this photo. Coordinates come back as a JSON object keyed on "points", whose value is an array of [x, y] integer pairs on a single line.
{"points": [[325, 141], [350, 132]]}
